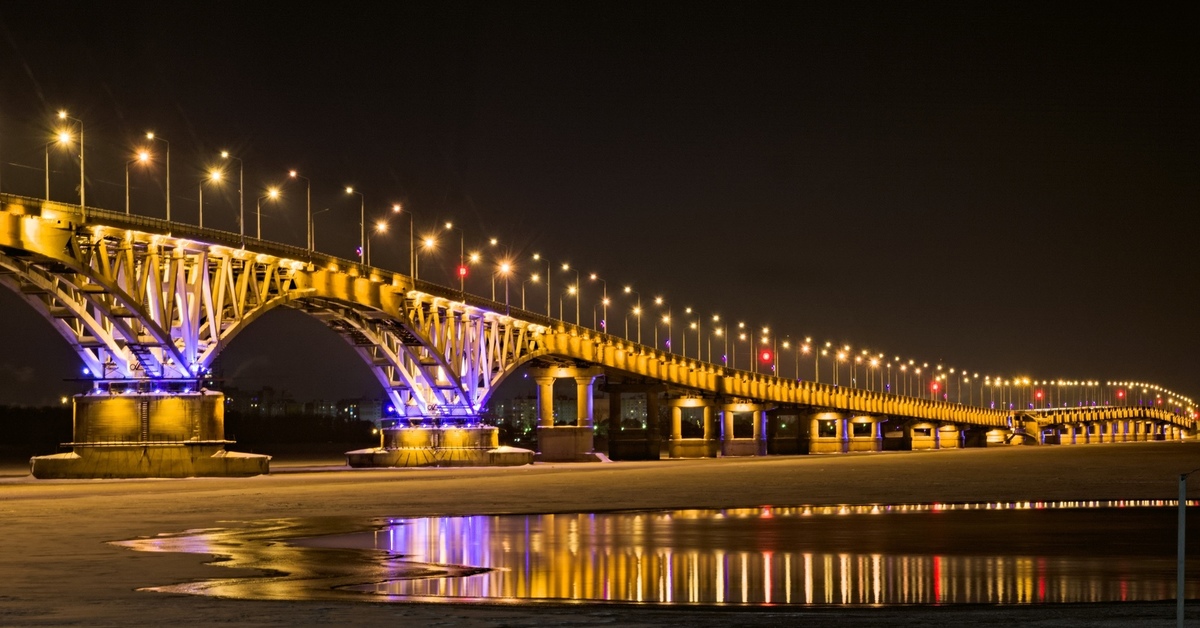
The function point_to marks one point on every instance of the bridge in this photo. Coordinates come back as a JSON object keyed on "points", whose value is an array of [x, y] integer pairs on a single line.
{"points": [[148, 305]]}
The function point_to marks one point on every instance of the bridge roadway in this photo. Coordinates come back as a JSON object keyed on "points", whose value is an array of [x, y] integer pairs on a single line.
{"points": [[148, 305]]}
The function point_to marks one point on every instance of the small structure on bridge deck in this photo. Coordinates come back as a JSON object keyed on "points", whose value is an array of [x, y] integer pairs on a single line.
{"points": [[405, 445], [149, 434]]}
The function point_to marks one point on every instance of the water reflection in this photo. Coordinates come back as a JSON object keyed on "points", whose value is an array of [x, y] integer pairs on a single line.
{"points": [[1014, 553]]}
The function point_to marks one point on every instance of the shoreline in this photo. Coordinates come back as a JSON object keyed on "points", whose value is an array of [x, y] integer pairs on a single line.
{"points": [[60, 568]]}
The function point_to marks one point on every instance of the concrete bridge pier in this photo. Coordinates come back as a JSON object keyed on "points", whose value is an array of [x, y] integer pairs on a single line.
{"points": [[679, 447], [756, 445], [827, 433], [149, 435], [865, 434], [949, 436], [565, 443]]}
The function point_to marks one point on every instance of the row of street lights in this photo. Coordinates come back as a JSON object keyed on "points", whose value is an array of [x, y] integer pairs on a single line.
{"points": [[910, 377]]}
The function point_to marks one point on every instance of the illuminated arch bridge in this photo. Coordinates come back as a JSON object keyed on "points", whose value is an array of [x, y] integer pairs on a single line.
{"points": [[148, 305]]}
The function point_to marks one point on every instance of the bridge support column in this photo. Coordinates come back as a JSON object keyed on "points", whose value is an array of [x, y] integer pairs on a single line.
{"points": [[632, 442], [949, 437], [827, 433], [565, 443], [149, 435], [1069, 432], [865, 434], [680, 447], [545, 400], [753, 446]]}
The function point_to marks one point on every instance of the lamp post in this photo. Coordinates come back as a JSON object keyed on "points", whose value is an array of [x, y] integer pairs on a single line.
{"points": [[567, 267], [719, 331], [62, 138], [307, 207], [666, 319], [534, 278], [427, 243], [154, 138], [396, 209], [241, 198], [62, 115], [537, 257], [272, 194], [505, 269], [215, 177], [381, 226], [462, 277], [636, 310], [603, 300], [362, 223], [142, 157]]}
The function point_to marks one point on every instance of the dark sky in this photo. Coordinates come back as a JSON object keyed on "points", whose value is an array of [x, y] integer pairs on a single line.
{"points": [[1009, 188]]}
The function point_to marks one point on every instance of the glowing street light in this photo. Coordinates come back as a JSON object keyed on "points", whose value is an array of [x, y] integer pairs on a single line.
{"points": [[567, 267], [537, 257], [272, 194], [428, 243], [461, 272], [241, 198], [307, 206], [142, 157], [362, 223], [380, 226], [505, 269], [603, 299], [636, 310], [214, 176], [62, 115], [154, 138], [61, 138], [396, 209]]}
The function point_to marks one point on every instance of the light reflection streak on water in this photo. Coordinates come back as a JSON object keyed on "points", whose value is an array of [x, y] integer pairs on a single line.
{"points": [[573, 557]]}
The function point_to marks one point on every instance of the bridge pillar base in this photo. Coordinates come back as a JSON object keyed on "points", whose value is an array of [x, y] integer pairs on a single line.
{"points": [[404, 446], [693, 448], [149, 435], [566, 443]]}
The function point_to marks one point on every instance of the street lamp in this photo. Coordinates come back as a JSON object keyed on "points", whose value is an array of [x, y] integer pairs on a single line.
{"points": [[62, 138], [428, 243], [62, 115], [537, 257], [505, 269], [362, 223], [154, 138], [603, 299], [241, 199], [462, 275], [534, 278], [142, 157], [396, 209], [307, 207], [272, 194], [636, 310], [666, 319], [567, 267], [381, 226], [215, 177], [722, 331]]}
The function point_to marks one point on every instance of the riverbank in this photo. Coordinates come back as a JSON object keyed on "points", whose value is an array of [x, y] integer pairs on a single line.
{"points": [[58, 568]]}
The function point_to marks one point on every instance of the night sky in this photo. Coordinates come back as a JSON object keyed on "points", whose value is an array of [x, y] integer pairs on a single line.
{"points": [[1006, 188]]}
